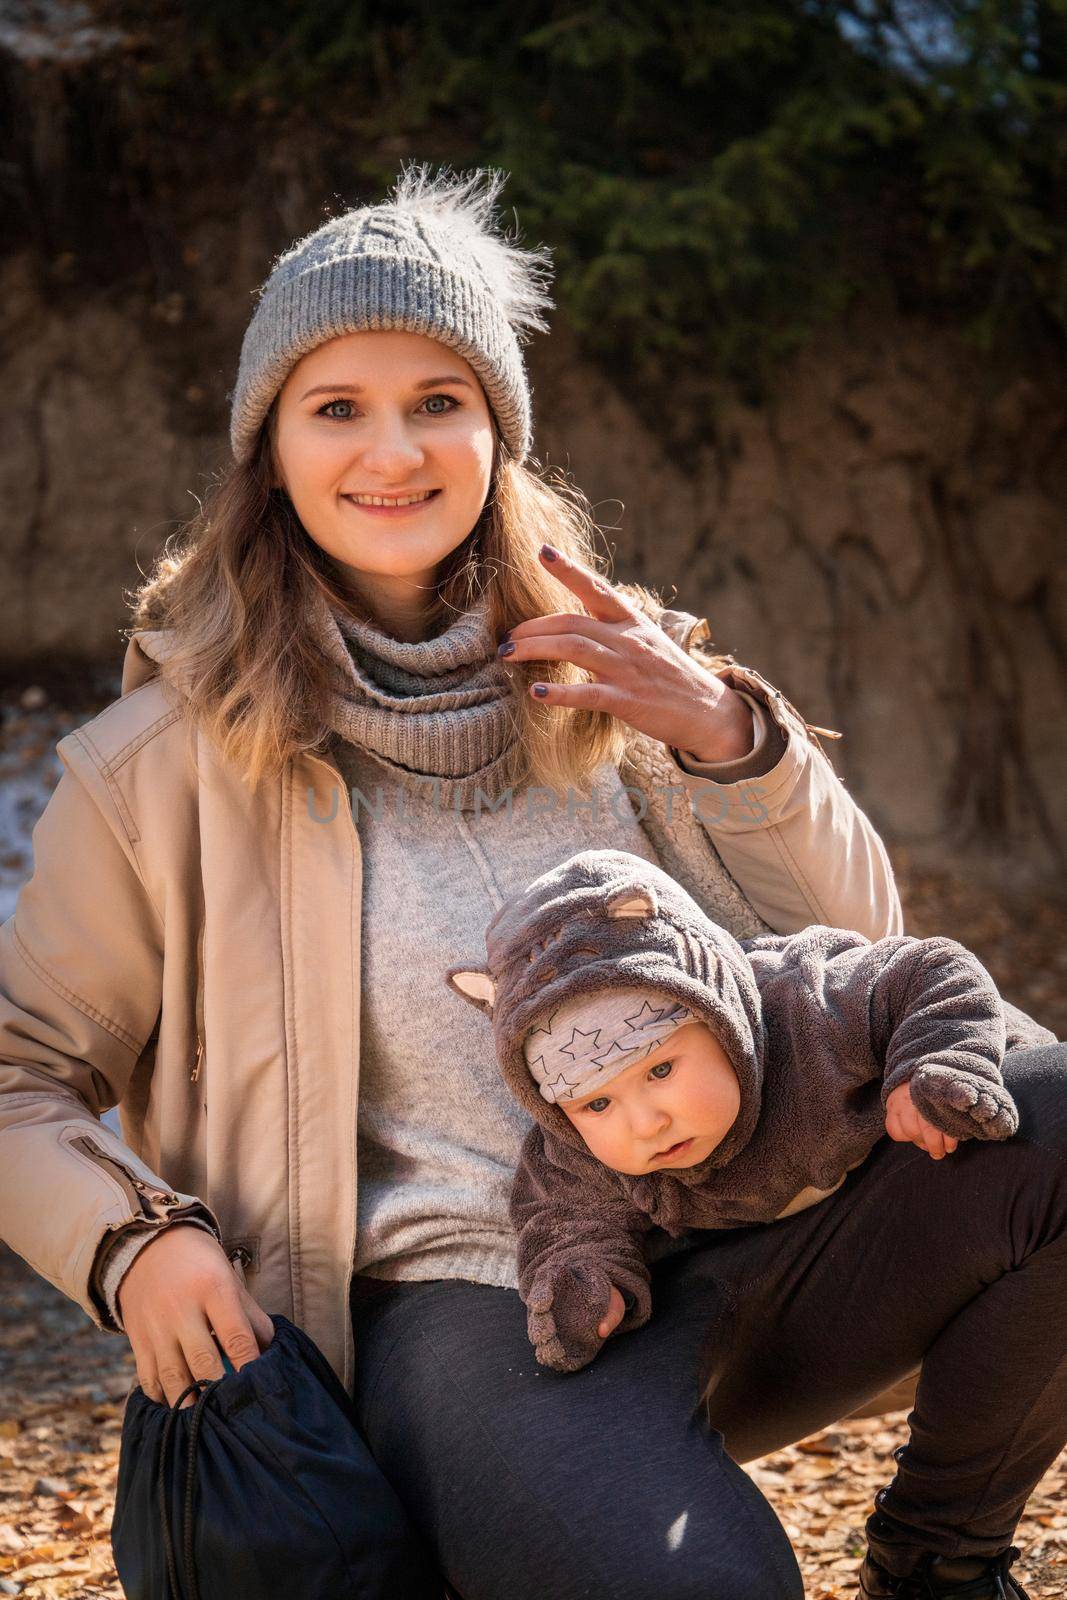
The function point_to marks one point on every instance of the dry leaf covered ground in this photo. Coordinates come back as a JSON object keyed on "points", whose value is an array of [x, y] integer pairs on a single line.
{"points": [[823, 1490], [63, 1385]]}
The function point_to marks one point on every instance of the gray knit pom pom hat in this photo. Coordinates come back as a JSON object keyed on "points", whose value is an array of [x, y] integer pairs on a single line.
{"points": [[428, 260]]}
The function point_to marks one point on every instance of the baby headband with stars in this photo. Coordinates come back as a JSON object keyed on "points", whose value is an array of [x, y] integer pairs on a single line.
{"points": [[588, 1040]]}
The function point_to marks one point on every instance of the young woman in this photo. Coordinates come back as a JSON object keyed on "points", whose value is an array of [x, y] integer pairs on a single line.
{"points": [[383, 686]]}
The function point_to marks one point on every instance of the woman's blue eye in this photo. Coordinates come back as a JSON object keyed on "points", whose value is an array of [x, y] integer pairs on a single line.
{"points": [[661, 1069], [452, 405], [601, 1100]]}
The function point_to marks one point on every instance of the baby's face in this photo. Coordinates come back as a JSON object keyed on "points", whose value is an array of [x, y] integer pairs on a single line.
{"points": [[683, 1094]]}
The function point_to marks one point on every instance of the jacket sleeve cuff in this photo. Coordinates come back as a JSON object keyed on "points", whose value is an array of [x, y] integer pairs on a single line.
{"points": [[117, 1256], [726, 794], [768, 748]]}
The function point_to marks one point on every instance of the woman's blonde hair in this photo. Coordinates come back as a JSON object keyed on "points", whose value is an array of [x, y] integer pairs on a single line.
{"points": [[254, 681]]}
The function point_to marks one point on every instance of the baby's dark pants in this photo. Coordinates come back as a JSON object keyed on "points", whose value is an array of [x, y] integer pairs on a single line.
{"points": [[612, 1482]]}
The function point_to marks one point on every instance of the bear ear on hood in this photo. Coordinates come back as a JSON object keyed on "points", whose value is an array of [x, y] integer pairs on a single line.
{"points": [[633, 903], [475, 984]]}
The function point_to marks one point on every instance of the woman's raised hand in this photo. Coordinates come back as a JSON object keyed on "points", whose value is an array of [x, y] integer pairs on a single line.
{"points": [[179, 1290], [640, 675]]}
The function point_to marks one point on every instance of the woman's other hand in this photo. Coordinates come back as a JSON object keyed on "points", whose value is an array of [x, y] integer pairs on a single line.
{"points": [[179, 1290], [904, 1123], [640, 675]]}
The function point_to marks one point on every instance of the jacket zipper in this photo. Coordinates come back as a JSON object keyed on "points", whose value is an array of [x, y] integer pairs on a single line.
{"points": [[194, 1075], [140, 1195]]}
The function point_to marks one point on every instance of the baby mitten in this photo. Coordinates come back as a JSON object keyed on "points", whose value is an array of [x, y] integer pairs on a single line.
{"points": [[566, 1304], [942, 1021], [964, 1104]]}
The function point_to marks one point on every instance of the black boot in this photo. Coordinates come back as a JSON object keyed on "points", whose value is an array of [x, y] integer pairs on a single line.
{"points": [[944, 1578]]}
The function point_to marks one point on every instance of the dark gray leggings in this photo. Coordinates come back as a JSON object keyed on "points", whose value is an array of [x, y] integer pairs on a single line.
{"points": [[611, 1482]]}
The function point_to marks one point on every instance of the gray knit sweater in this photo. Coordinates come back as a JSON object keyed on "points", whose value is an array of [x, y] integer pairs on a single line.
{"points": [[439, 1136], [437, 1146]]}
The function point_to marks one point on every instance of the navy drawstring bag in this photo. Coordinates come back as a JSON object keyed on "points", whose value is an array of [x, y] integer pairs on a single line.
{"points": [[264, 1487]]}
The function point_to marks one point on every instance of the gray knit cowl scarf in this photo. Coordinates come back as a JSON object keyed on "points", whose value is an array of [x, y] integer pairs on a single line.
{"points": [[438, 714]]}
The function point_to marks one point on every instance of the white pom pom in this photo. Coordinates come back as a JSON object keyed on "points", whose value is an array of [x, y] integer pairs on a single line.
{"points": [[464, 208]]}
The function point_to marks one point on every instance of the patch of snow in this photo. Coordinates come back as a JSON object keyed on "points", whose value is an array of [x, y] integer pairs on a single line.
{"points": [[29, 771]]}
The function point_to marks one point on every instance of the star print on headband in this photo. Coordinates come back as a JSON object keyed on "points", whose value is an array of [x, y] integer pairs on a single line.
{"points": [[605, 1033]]}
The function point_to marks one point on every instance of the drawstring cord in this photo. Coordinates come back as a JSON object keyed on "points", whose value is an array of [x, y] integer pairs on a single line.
{"points": [[173, 1590]]}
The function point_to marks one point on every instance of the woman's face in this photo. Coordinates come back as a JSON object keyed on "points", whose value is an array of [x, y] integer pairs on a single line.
{"points": [[385, 415]]}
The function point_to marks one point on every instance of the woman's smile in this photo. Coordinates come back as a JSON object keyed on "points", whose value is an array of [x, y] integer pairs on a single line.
{"points": [[392, 505]]}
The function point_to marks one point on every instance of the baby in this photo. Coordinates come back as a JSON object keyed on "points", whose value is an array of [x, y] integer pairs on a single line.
{"points": [[679, 1078]]}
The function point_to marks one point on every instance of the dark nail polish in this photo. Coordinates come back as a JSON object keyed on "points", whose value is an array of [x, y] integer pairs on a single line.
{"points": [[549, 552], [540, 689], [506, 649]]}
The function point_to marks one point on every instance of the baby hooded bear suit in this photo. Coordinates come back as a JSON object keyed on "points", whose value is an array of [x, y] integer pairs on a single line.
{"points": [[819, 1026]]}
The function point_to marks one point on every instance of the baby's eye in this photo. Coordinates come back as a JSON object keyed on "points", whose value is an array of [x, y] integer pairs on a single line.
{"points": [[598, 1104], [662, 1069]]}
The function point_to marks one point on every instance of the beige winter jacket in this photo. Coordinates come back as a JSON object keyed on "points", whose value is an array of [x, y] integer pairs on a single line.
{"points": [[191, 953]]}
